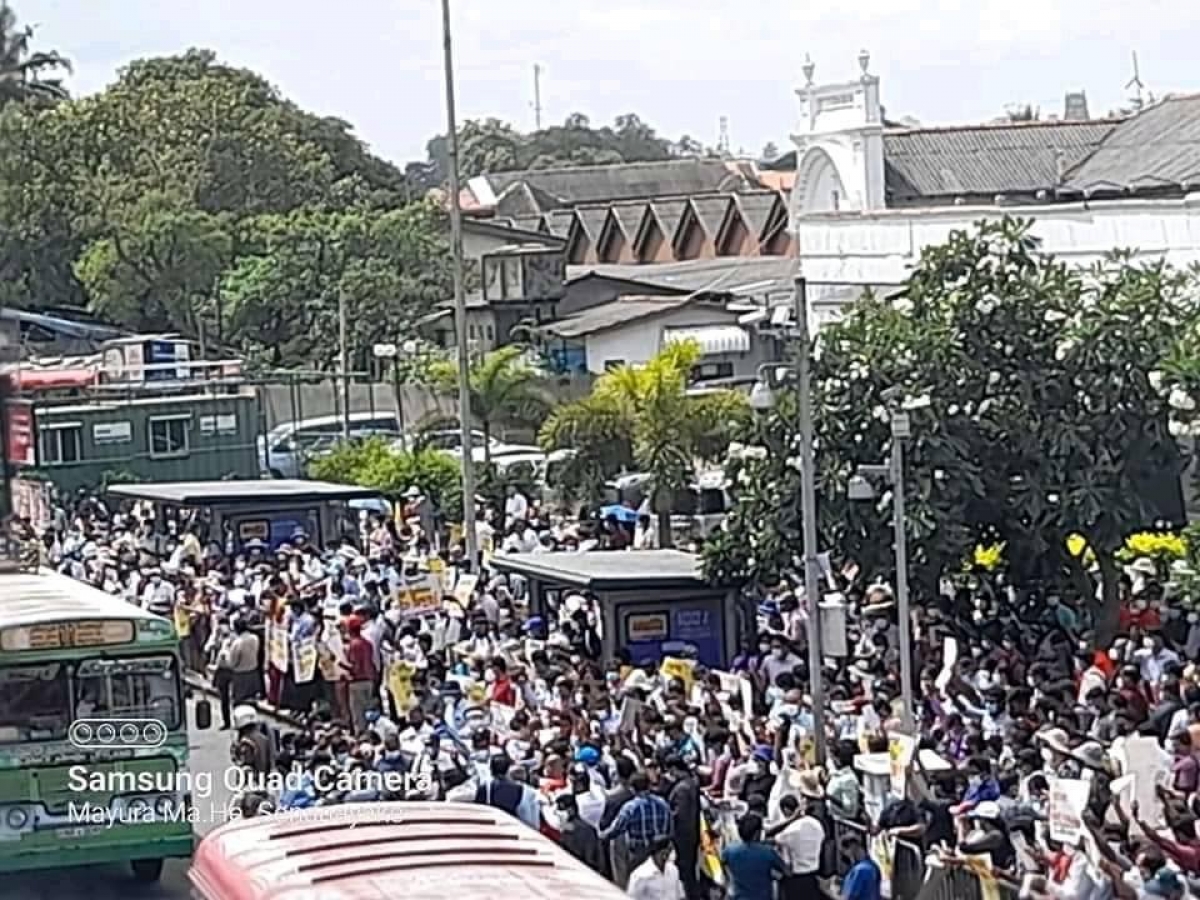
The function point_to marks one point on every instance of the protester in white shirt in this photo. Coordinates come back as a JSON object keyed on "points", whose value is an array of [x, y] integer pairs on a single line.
{"points": [[800, 839], [657, 878], [516, 507]]}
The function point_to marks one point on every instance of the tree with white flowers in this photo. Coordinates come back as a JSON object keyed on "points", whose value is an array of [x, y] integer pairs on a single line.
{"points": [[1053, 397]]}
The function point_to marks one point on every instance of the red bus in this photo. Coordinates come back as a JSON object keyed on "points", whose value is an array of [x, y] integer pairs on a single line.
{"points": [[380, 851]]}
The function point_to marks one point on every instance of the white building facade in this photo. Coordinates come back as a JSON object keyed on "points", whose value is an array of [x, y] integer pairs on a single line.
{"points": [[869, 196]]}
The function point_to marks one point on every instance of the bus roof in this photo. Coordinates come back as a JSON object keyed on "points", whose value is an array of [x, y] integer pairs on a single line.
{"points": [[249, 491], [46, 598], [378, 851]]}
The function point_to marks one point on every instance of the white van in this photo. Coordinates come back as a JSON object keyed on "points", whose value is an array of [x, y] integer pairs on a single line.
{"points": [[286, 449]]}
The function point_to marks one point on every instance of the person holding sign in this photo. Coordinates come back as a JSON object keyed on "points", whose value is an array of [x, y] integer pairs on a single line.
{"points": [[360, 665]]}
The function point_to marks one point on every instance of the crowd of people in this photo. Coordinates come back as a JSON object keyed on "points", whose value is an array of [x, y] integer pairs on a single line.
{"points": [[1035, 760]]}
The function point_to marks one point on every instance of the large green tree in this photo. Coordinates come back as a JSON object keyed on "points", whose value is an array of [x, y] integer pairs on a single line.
{"points": [[27, 75], [1044, 413], [279, 299], [491, 145]]}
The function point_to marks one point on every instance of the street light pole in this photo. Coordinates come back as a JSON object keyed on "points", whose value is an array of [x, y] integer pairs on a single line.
{"points": [[808, 501], [460, 301], [344, 357], [901, 430]]}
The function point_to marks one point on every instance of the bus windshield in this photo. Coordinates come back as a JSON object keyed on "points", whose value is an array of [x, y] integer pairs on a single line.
{"points": [[35, 703], [38, 702]]}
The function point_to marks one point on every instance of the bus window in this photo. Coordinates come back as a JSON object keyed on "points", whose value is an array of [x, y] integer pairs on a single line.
{"points": [[146, 687], [34, 703]]}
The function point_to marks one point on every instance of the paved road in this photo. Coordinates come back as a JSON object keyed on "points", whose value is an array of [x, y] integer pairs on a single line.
{"points": [[209, 753]]}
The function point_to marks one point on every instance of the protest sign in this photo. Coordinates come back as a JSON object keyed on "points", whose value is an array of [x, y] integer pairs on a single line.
{"points": [[883, 851], [277, 647], [417, 596], [1068, 799], [683, 669], [399, 684], [901, 748], [306, 659], [1150, 766]]}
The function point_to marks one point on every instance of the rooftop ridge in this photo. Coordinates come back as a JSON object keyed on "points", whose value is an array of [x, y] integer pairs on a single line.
{"points": [[1007, 126]]}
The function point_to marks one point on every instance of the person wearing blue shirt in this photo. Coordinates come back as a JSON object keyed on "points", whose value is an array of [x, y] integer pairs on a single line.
{"points": [[864, 880], [751, 864]]}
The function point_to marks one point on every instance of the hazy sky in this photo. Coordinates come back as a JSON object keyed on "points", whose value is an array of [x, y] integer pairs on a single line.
{"points": [[679, 64]]}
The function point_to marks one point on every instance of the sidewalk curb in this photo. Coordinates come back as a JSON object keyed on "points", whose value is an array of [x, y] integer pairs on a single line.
{"points": [[199, 683]]}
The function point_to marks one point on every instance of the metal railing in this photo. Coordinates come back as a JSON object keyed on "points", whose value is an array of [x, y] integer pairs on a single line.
{"points": [[958, 882]]}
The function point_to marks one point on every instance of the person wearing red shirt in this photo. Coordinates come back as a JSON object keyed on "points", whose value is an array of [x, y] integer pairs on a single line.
{"points": [[360, 663], [500, 687]]}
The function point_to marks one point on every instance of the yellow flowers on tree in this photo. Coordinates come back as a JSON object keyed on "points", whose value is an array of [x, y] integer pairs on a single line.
{"points": [[669, 430]]}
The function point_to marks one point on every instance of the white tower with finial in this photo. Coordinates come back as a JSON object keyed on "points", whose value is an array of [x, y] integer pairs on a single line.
{"points": [[839, 144]]}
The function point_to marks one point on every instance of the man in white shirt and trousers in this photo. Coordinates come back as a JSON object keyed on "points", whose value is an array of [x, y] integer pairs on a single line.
{"points": [[658, 877], [800, 838]]}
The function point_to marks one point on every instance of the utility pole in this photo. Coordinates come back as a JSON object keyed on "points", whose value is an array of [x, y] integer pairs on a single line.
{"points": [[901, 431], [537, 96], [460, 303], [808, 512], [344, 364]]}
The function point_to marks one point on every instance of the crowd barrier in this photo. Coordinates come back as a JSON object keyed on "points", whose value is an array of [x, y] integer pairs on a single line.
{"points": [[906, 862], [963, 883]]}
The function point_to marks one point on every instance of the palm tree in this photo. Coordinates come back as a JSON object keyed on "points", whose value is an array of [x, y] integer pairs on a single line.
{"points": [[505, 389], [668, 428], [21, 70]]}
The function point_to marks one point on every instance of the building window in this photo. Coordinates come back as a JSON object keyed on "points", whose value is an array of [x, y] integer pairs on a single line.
{"points": [[610, 364], [835, 200], [491, 334], [169, 436], [709, 371], [472, 332], [61, 443]]}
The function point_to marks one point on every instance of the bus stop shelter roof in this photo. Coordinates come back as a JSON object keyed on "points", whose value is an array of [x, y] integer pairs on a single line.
{"points": [[217, 493], [607, 570]]}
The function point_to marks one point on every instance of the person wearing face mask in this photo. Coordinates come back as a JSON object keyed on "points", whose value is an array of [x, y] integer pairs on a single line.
{"points": [[758, 779], [780, 660]]}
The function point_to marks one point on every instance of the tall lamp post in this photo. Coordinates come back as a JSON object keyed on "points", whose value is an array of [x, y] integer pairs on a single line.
{"points": [[762, 397], [395, 353], [860, 488], [460, 300]]}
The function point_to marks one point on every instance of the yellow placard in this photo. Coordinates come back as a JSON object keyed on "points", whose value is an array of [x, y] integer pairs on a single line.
{"points": [[277, 647], [306, 659], [399, 682], [683, 669], [183, 621]]}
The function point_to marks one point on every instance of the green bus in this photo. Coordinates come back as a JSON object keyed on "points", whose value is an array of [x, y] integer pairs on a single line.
{"points": [[93, 737]]}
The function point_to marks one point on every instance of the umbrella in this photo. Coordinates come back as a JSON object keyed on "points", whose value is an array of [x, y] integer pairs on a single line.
{"points": [[622, 513]]}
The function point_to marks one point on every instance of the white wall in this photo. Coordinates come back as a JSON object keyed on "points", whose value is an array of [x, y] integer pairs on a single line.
{"points": [[639, 341], [880, 247]]}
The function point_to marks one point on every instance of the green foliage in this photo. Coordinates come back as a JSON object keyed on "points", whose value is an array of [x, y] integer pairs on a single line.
{"points": [[491, 145], [281, 294], [1042, 419], [601, 439], [505, 389], [190, 196], [23, 70], [647, 413], [373, 463]]}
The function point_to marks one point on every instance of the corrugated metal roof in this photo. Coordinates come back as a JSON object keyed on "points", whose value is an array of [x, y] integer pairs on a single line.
{"points": [[757, 209], [624, 181], [1159, 146], [618, 312], [592, 218], [711, 212], [559, 221], [987, 159], [724, 275]]}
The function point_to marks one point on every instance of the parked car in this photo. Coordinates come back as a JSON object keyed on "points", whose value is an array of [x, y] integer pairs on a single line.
{"points": [[286, 450], [696, 511], [449, 440]]}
